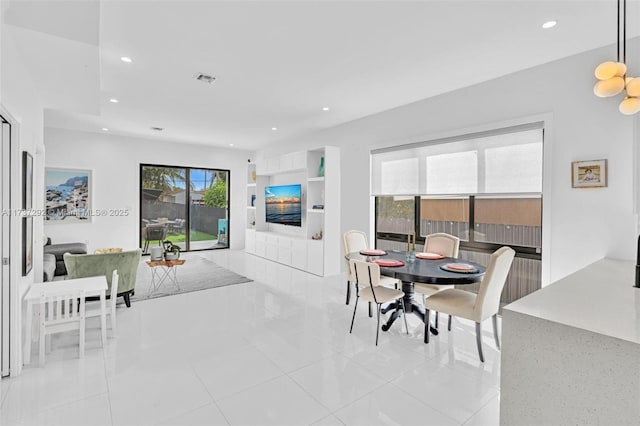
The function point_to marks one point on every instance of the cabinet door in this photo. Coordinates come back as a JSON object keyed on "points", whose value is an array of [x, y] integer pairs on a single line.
{"points": [[299, 254], [315, 257], [284, 250], [250, 241]]}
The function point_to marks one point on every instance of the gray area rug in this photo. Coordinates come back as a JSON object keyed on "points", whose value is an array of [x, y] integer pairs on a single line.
{"points": [[196, 274]]}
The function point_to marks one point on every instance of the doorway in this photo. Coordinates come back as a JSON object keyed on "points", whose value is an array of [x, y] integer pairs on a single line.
{"points": [[5, 237]]}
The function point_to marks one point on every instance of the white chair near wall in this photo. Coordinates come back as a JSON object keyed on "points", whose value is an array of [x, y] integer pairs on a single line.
{"points": [[94, 310], [60, 312], [367, 277], [439, 243], [485, 304]]}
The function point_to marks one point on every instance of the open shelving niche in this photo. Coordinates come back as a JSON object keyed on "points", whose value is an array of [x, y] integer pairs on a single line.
{"points": [[291, 245]]}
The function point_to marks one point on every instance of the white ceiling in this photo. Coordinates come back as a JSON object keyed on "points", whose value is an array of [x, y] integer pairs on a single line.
{"points": [[278, 63]]}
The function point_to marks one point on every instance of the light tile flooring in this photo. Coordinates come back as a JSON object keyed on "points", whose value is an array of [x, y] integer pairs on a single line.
{"points": [[276, 351]]}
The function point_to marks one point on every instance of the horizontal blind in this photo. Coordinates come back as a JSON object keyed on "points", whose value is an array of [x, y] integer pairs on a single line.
{"points": [[507, 160]]}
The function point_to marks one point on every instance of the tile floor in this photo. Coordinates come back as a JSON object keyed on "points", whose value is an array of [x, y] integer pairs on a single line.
{"points": [[276, 351]]}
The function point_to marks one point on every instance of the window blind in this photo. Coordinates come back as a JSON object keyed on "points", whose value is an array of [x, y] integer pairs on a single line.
{"points": [[507, 160]]}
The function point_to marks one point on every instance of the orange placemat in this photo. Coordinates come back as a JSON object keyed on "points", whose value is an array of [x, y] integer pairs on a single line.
{"points": [[429, 256], [389, 262]]}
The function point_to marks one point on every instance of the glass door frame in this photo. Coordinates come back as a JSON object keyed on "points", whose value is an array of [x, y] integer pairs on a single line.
{"points": [[187, 215]]}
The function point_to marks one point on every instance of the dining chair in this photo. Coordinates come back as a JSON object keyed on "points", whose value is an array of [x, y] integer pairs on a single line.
{"points": [[485, 304], [446, 245], [93, 309], [367, 276], [354, 241], [64, 311]]}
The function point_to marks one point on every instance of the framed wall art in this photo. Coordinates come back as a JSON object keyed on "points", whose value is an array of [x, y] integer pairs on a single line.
{"points": [[27, 180], [68, 195], [27, 245], [589, 174]]}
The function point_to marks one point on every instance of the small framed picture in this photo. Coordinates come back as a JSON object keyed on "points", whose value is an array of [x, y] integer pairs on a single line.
{"points": [[589, 174]]}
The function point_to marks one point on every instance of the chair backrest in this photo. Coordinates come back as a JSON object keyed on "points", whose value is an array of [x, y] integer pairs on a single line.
{"points": [[488, 300], [93, 265], [441, 243], [62, 307], [156, 232], [354, 241], [365, 273]]}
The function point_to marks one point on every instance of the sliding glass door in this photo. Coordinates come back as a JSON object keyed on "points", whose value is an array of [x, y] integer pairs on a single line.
{"points": [[184, 205]]}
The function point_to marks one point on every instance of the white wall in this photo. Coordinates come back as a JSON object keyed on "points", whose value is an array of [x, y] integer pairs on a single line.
{"points": [[580, 225], [20, 103], [115, 165]]}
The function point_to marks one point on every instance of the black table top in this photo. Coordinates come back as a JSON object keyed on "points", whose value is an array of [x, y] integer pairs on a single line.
{"points": [[423, 270]]}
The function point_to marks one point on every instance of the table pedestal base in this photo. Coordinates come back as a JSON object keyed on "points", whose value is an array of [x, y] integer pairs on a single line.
{"points": [[412, 308]]}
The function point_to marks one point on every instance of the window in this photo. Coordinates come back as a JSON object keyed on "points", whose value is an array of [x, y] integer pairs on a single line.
{"points": [[484, 188], [187, 206]]}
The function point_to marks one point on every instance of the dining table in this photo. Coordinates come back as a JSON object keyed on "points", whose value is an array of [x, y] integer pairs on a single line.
{"points": [[412, 270]]}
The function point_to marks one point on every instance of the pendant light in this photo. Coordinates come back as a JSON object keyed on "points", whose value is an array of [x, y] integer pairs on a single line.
{"points": [[612, 76]]}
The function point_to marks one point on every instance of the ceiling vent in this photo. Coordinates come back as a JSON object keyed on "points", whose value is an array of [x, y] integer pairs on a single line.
{"points": [[205, 78], [157, 129]]}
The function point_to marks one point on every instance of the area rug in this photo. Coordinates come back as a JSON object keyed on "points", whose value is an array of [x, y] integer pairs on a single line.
{"points": [[196, 274]]}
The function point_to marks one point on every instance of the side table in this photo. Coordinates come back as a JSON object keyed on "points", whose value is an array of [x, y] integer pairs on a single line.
{"points": [[161, 270]]}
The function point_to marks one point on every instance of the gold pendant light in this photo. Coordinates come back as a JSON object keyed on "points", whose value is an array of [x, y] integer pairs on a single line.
{"points": [[612, 76]]}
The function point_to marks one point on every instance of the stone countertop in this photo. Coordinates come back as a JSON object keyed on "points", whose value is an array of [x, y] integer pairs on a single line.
{"points": [[599, 298]]}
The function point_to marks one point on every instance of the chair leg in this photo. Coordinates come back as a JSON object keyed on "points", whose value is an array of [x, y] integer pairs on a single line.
{"points": [[437, 316], [354, 314], [426, 326], [127, 299], [479, 340], [42, 343], [378, 324], [404, 315], [82, 334], [449, 325], [348, 292], [495, 330], [370, 310]]}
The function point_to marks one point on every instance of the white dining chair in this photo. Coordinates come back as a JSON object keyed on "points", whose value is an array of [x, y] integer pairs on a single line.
{"points": [[354, 241], [367, 276], [446, 245], [94, 310], [485, 304], [64, 311]]}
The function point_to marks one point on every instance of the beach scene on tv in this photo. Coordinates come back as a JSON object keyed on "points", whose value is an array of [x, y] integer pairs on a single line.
{"points": [[283, 205]]}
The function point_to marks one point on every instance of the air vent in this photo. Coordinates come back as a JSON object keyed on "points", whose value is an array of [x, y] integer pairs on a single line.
{"points": [[205, 78], [157, 129]]}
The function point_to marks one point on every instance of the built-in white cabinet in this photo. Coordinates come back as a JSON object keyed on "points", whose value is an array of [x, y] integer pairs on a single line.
{"points": [[315, 245]]}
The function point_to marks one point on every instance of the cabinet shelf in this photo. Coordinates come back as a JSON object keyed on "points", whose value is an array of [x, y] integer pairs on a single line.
{"points": [[316, 179], [251, 207], [251, 185], [315, 210]]}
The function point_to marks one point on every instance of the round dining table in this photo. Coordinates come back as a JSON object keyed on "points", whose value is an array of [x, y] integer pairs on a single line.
{"points": [[418, 270]]}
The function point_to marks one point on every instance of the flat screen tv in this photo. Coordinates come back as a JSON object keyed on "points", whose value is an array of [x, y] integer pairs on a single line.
{"points": [[283, 204]]}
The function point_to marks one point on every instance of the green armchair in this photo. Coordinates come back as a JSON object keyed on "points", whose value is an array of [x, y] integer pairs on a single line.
{"points": [[92, 265]]}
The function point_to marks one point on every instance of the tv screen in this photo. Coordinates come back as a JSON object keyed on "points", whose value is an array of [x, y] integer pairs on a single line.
{"points": [[283, 204]]}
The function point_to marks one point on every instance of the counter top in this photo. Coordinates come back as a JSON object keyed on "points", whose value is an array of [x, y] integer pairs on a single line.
{"points": [[599, 298]]}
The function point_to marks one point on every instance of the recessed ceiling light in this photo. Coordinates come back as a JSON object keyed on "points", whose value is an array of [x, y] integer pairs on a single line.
{"points": [[104, 129], [126, 59], [326, 108], [230, 144], [274, 128], [549, 24], [157, 129], [113, 100]]}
